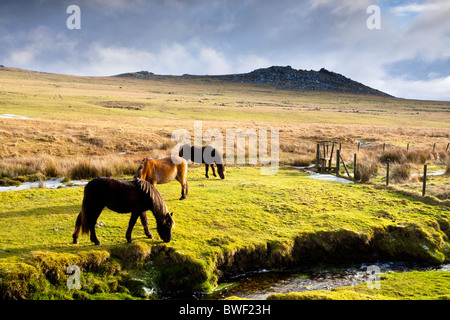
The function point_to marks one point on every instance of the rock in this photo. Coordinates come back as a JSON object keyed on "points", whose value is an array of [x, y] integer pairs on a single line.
{"points": [[281, 77]]}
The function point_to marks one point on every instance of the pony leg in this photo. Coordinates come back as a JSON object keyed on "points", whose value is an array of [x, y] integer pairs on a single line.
{"points": [[182, 179], [184, 190], [206, 167], [133, 218], [92, 220], [77, 229], [214, 171], [144, 222]]}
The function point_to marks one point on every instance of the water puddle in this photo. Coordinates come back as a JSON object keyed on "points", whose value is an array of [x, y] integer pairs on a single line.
{"points": [[15, 116], [259, 285], [431, 173], [47, 184], [323, 177], [328, 177]]}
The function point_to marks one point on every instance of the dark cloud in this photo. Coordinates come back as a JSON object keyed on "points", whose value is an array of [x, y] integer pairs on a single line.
{"points": [[228, 36]]}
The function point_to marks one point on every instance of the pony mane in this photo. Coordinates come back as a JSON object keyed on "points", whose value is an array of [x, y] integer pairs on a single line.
{"points": [[158, 202]]}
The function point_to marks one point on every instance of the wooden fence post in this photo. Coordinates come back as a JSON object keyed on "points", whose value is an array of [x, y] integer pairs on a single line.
{"points": [[407, 147], [424, 188], [338, 155], [434, 146], [387, 172], [317, 156], [384, 147], [345, 167], [355, 170], [448, 145], [331, 157]]}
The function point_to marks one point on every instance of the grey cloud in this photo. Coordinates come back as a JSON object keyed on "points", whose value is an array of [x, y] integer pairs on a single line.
{"points": [[227, 36]]}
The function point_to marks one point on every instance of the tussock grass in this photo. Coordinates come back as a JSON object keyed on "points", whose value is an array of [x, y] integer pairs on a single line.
{"points": [[366, 171], [401, 172], [46, 166]]}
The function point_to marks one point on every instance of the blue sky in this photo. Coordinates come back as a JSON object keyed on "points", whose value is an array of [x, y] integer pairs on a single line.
{"points": [[408, 57]]}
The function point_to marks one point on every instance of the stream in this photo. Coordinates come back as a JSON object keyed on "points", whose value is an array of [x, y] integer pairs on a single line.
{"points": [[260, 284], [47, 184]]}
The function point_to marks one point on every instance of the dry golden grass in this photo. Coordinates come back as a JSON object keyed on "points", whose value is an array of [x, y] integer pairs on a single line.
{"points": [[85, 118]]}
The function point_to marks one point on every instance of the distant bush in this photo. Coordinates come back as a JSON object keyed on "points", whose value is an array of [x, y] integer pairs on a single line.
{"points": [[366, 171], [400, 172], [84, 170], [394, 156], [418, 156], [302, 161]]}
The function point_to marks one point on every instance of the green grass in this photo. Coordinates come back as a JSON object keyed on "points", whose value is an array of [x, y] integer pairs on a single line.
{"points": [[247, 221]]}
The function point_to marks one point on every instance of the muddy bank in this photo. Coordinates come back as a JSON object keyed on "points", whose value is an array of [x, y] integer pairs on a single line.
{"points": [[139, 268], [408, 243], [395, 242]]}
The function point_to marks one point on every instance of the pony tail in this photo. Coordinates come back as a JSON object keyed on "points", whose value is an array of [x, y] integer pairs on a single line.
{"points": [[140, 176], [84, 219]]}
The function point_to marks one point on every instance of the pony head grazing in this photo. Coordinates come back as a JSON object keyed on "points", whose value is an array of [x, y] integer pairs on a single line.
{"points": [[164, 220], [221, 169], [164, 227]]}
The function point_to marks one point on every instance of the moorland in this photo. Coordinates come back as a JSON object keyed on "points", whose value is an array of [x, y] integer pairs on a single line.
{"points": [[54, 125]]}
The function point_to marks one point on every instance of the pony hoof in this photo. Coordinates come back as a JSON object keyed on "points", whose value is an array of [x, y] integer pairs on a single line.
{"points": [[129, 241], [182, 198], [75, 242], [98, 244]]}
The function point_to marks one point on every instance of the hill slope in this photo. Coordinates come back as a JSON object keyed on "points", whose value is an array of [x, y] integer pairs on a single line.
{"points": [[281, 77]]}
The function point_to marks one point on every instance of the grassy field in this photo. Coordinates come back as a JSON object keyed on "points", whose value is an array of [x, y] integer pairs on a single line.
{"points": [[223, 227], [82, 127]]}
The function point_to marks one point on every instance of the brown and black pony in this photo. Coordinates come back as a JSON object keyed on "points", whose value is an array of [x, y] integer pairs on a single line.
{"points": [[160, 171], [207, 155], [123, 197]]}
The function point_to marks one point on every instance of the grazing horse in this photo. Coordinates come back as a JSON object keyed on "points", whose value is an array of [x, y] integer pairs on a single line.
{"points": [[122, 197], [207, 155], [160, 171]]}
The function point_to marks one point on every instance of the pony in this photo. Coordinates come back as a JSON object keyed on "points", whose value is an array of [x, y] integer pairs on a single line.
{"points": [[207, 155], [122, 197], [160, 171]]}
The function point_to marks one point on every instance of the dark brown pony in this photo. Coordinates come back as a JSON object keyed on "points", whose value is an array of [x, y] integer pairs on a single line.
{"points": [[207, 155], [122, 197], [160, 171]]}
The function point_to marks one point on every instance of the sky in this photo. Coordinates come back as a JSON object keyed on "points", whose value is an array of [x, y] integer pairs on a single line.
{"points": [[407, 55]]}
